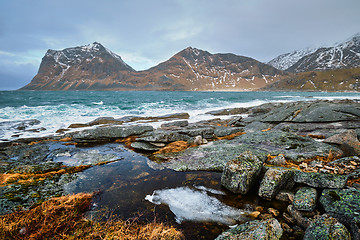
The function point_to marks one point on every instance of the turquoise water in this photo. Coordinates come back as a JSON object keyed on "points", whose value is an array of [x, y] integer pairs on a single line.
{"points": [[59, 109]]}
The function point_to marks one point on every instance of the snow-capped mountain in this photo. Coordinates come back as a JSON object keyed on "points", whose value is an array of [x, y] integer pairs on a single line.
{"points": [[285, 61], [342, 55], [93, 67]]}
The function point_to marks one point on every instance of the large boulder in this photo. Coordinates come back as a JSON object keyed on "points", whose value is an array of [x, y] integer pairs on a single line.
{"points": [[269, 229], [240, 174], [348, 142], [321, 180], [326, 227], [305, 199], [273, 180]]}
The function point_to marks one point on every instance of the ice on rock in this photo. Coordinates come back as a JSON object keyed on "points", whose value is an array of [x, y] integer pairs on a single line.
{"points": [[192, 205]]}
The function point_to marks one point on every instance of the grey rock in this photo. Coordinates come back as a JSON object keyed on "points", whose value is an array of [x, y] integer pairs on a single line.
{"points": [[144, 146], [209, 157], [269, 229], [183, 123], [105, 120], [326, 227], [109, 132], [224, 131], [293, 147], [236, 122], [228, 111], [305, 199], [272, 182], [240, 174], [285, 196], [277, 161], [301, 220], [321, 180], [165, 136], [347, 141]]}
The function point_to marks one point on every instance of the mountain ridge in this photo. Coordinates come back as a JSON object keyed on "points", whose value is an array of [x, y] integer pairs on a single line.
{"points": [[93, 67]]}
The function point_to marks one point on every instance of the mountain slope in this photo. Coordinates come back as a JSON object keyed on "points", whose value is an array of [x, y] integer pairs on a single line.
{"points": [[341, 55], [347, 79], [93, 67]]}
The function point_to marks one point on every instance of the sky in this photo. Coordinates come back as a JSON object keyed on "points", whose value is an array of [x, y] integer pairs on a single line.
{"points": [[147, 32]]}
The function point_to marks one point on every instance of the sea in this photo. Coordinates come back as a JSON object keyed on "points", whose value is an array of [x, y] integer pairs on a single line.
{"points": [[58, 109]]}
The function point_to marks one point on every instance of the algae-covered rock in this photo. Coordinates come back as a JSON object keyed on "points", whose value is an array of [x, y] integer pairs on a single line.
{"points": [[345, 202], [269, 229], [273, 180], [305, 199], [326, 227], [240, 174], [321, 180]]}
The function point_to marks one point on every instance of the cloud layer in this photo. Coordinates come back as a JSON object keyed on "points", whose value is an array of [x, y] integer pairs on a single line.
{"points": [[146, 32]]}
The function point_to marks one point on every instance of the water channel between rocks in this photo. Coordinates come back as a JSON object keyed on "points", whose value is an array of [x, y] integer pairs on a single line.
{"points": [[194, 202]]}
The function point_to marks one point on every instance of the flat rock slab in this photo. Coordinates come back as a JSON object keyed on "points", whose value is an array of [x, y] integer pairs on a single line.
{"points": [[109, 132], [269, 229], [213, 156]]}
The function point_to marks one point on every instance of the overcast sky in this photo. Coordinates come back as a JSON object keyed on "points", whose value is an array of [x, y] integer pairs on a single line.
{"points": [[147, 32]]}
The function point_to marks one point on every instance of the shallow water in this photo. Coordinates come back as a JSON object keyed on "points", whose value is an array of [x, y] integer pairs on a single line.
{"points": [[195, 201]]}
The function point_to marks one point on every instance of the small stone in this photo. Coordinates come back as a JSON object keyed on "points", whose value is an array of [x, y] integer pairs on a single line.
{"points": [[288, 218], [285, 196], [254, 214], [259, 208], [198, 140], [265, 216], [303, 165], [353, 163], [274, 212], [286, 228]]}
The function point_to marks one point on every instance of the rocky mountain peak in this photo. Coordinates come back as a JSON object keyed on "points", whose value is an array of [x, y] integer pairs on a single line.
{"points": [[345, 54]]}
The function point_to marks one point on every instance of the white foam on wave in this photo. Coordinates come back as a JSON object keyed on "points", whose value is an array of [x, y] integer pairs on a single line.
{"points": [[193, 205]]}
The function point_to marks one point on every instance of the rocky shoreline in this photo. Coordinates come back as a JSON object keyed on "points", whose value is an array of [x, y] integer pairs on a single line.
{"points": [[304, 154]]}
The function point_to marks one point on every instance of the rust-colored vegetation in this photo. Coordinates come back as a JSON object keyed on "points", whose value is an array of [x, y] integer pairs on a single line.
{"points": [[29, 178], [231, 136], [174, 147], [63, 218]]}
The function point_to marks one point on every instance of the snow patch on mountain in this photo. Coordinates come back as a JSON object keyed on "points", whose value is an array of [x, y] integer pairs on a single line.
{"points": [[286, 60]]}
